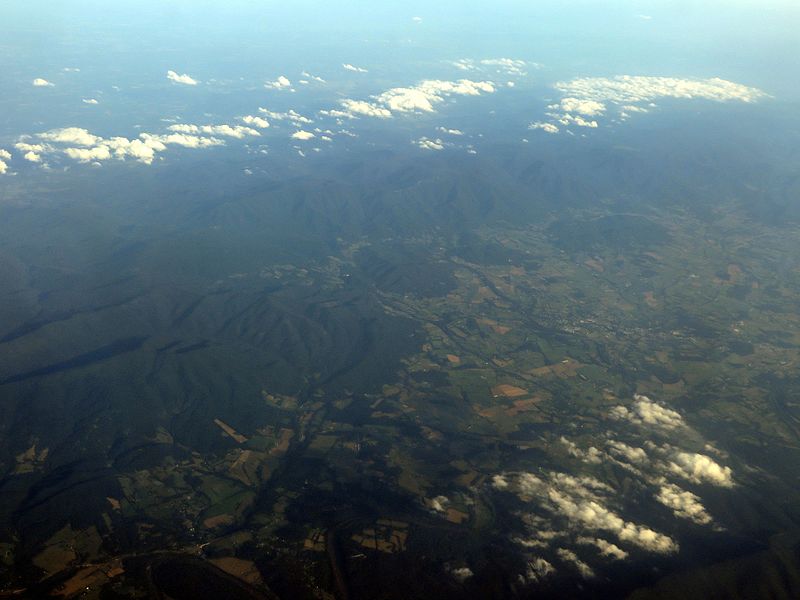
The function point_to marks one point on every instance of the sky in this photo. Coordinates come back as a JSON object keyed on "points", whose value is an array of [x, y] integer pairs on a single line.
{"points": [[136, 69]]}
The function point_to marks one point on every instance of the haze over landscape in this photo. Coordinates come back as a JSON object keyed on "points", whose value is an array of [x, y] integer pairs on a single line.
{"points": [[462, 300]]}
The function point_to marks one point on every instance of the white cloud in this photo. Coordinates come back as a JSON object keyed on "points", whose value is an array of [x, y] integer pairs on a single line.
{"points": [[589, 96], [631, 454], [290, 115], [506, 66], [683, 504], [450, 131], [419, 98], [627, 89], [180, 139], [234, 131], [3, 167], [591, 455], [570, 557], [97, 153], [360, 107], [546, 127], [461, 574], [70, 135], [5, 154], [90, 101], [580, 501], [255, 121], [428, 144], [606, 548], [302, 135], [590, 108], [699, 468], [281, 83], [308, 75], [567, 119], [439, 503], [646, 412], [81, 145], [424, 95], [355, 69], [183, 79], [39, 82]]}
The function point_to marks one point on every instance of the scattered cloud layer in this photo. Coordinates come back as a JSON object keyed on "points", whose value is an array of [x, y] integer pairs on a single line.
{"points": [[182, 79], [291, 115], [355, 69], [83, 146], [589, 97], [582, 502], [234, 131], [513, 67], [421, 98]]}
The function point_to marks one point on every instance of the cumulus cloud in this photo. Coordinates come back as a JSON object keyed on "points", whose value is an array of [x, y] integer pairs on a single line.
{"points": [[629, 453], [590, 108], [255, 121], [646, 412], [355, 69], [159, 142], [3, 167], [281, 83], [450, 131], [570, 557], [683, 504], [538, 569], [39, 82], [32, 152], [4, 156], [90, 101], [591, 455], [182, 79], [426, 94], [506, 66], [361, 107], [581, 501], [311, 77], [97, 153], [79, 144], [461, 574], [70, 135], [234, 131], [546, 127], [627, 89], [302, 135], [605, 547], [421, 98], [699, 468], [590, 96], [428, 144], [291, 115]]}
